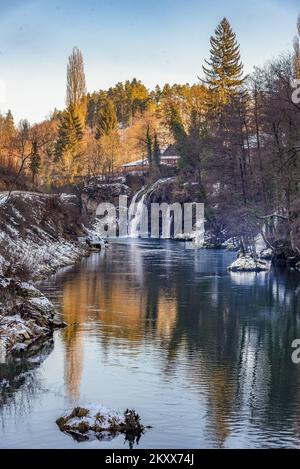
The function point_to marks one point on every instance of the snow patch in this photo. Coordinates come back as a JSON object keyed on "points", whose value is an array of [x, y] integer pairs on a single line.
{"points": [[249, 264]]}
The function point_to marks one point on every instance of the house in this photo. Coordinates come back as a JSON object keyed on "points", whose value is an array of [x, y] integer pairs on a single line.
{"points": [[169, 157], [138, 166]]}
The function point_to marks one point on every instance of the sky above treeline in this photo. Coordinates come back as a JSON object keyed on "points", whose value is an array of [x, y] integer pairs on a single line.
{"points": [[156, 41]]}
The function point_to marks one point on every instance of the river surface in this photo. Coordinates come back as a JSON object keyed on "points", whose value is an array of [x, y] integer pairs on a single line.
{"points": [[203, 355]]}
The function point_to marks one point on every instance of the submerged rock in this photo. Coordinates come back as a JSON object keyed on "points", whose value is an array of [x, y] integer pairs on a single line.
{"points": [[249, 264], [98, 422]]}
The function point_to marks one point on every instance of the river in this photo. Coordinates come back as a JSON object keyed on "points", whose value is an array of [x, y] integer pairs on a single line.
{"points": [[203, 355]]}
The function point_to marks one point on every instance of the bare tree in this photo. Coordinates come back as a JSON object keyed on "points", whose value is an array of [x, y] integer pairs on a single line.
{"points": [[28, 141]]}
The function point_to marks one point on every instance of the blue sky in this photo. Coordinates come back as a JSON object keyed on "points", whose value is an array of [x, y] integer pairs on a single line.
{"points": [[156, 41]]}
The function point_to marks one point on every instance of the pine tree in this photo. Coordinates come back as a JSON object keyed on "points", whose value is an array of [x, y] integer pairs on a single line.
{"points": [[156, 151], [178, 130], [224, 69], [107, 120], [9, 130], [9, 123], [35, 161], [70, 133], [156, 95]]}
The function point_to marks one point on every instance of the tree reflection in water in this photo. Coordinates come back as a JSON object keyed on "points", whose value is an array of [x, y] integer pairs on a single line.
{"points": [[19, 380], [232, 332]]}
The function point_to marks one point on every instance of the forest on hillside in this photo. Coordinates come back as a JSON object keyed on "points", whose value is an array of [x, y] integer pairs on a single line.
{"points": [[238, 138]]}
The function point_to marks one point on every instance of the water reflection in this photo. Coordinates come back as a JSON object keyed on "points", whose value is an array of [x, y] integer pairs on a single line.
{"points": [[20, 380], [234, 331], [175, 319]]}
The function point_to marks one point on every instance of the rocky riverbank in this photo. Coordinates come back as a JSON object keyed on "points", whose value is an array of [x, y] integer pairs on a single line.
{"points": [[38, 235], [26, 316]]}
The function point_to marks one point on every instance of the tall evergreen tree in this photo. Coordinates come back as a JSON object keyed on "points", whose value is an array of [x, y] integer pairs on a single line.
{"points": [[224, 70], [8, 130], [107, 120], [35, 161], [9, 123], [70, 132], [156, 151], [178, 130]]}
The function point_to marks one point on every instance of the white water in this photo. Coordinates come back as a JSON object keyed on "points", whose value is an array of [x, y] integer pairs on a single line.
{"points": [[166, 233], [137, 224], [135, 215]]}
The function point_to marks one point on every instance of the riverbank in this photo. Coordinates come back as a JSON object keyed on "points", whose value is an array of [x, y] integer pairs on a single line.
{"points": [[38, 235]]}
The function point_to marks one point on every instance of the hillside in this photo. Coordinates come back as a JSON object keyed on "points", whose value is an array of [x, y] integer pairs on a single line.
{"points": [[38, 234]]}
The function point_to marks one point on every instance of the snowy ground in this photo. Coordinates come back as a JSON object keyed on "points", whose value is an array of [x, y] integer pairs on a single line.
{"points": [[38, 234], [29, 234]]}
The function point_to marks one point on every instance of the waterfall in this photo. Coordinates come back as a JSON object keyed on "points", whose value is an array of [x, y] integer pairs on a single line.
{"points": [[135, 214], [166, 229]]}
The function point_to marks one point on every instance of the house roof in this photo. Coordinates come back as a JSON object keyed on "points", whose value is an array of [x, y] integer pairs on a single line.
{"points": [[170, 151], [136, 163], [163, 158], [169, 157]]}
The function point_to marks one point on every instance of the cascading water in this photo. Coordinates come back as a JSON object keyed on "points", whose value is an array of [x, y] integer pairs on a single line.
{"points": [[166, 229], [135, 214]]}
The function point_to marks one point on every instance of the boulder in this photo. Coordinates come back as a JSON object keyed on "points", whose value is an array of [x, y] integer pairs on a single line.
{"points": [[266, 254], [231, 247], [26, 315], [248, 264], [96, 191], [85, 423]]}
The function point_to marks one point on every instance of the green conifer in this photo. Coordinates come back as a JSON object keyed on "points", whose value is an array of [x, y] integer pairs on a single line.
{"points": [[107, 120], [156, 151], [35, 161], [224, 71]]}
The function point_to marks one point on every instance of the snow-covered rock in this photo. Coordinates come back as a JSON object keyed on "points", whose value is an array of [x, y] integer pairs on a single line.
{"points": [[266, 254], [248, 264], [230, 247], [38, 232], [84, 423], [26, 315], [38, 235]]}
